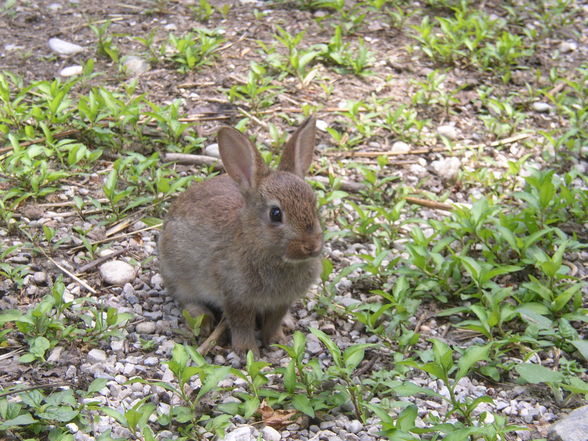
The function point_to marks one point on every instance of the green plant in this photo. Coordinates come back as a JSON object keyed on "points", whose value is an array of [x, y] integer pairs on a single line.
{"points": [[193, 50], [106, 47]]}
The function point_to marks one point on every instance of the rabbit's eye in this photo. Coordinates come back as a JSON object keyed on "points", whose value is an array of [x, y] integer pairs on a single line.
{"points": [[275, 214]]}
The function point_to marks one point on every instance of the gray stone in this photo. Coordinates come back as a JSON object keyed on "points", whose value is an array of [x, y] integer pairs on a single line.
{"points": [[135, 66], [212, 150], [40, 278], [243, 433], [145, 328], [573, 427], [151, 361], [270, 434], [447, 168], [55, 355], [117, 272], [96, 356], [449, 132], [63, 47], [354, 426], [400, 147]]}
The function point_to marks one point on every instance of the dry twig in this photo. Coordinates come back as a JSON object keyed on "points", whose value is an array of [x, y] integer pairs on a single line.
{"points": [[211, 340]]}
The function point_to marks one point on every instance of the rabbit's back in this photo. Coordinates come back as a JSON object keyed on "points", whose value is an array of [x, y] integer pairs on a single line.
{"points": [[193, 246]]}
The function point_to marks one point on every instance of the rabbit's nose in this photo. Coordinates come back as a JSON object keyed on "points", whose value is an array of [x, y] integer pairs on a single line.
{"points": [[312, 249]]}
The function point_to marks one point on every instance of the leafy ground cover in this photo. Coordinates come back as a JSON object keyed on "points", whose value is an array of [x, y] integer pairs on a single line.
{"points": [[451, 174]]}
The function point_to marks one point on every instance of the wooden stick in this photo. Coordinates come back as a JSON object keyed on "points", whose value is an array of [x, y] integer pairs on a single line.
{"points": [[37, 386], [185, 158], [429, 204], [100, 260], [505, 141], [210, 342], [71, 275]]}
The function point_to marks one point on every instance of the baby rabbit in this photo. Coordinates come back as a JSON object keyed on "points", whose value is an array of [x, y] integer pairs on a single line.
{"points": [[247, 242]]}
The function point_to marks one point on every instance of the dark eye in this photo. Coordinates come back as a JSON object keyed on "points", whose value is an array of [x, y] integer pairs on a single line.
{"points": [[275, 214]]}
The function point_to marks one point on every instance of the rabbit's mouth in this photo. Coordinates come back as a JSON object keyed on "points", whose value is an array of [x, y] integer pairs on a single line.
{"points": [[301, 251]]}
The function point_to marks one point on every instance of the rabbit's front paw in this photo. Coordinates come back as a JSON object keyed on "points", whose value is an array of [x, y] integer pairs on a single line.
{"points": [[242, 343]]}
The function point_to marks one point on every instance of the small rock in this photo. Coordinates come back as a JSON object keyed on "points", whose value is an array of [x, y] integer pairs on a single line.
{"points": [[40, 278], [117, 272], [135, 66], [212, 150], [96, 356], [145, 327], [55, 355], [447, 168], [156, 281], [71, 372], [540, 107], [71, 71], [244, 433], [151, 361], [117, 345], [129, 370], [354, 426], [573, 427], [568, 46], [449, 132], [72, 427], [270, 434], [322, 125], [63, 47], [418, 170], [400, 147]]}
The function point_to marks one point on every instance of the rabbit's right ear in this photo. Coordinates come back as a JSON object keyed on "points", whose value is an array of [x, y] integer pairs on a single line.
{"points": [[240, 158], [299, 149]]}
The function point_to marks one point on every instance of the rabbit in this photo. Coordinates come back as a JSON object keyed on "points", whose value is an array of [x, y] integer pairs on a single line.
{"points": [[248, 242]]}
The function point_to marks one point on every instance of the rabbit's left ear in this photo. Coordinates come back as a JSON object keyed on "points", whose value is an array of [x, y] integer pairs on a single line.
{"points": [[240, 158], [299, 149]]}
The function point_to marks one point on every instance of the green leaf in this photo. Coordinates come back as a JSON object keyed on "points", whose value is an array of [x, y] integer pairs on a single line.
{"points": [[115, 414], [582, 347], [406, 419], [218, 374], [62, 414], [303, 404], [471, 356], [22, 420], [534, 373], [14, 316], [330, 345]]}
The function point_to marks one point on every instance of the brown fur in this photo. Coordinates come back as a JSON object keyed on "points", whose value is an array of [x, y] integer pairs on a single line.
{"points": [[219, 248]]}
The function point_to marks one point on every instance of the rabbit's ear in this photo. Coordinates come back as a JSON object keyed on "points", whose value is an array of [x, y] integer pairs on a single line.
{"points": [[299, 149], [240, 158]]}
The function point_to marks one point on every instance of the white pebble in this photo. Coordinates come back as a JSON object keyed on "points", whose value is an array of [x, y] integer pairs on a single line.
{"points": [[135, 66], [117, 272], [212, 150], [71, 71], [270, 434], [568, 46], [145, 328], [540, 107], [322, 125], [243, 433], [447, 168], [64, 47], [449, 132], [400, 147], [96, 356]]}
